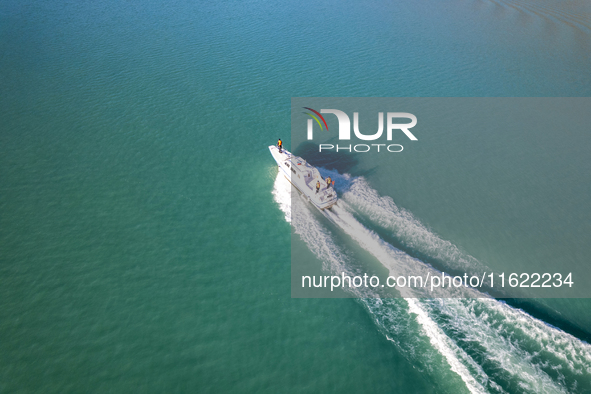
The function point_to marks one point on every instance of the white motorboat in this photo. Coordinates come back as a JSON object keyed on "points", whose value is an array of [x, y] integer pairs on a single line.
{"points": [[305, 178]]}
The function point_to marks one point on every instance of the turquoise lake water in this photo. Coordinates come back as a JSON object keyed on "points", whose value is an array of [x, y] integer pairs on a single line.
{"points": [[142, 245]]}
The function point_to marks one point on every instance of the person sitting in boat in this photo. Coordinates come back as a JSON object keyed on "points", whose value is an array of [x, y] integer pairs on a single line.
{"points": [[328, 182], [280, 146], [317, 186]]}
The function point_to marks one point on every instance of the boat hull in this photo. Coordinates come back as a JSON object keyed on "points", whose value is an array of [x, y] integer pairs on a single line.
{"points": [[304, 178]]}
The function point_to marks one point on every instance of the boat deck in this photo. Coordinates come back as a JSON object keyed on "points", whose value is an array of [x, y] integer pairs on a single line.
{"points": [[305, 177]]}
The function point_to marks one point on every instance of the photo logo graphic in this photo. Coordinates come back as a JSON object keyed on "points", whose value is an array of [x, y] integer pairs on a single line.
{"points": [[315, 118], [345, 129]]}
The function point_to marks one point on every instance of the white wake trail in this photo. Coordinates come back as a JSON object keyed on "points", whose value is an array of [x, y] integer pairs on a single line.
{"points": [[399, 263], [320, 242], [404, 226], [487, 323], [499, 328], [282, 194]]}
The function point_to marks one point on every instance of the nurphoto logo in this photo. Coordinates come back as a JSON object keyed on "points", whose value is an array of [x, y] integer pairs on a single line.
{"points": [[345, 129]]}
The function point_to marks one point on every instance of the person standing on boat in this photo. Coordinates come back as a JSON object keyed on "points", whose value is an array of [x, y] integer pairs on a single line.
{"points": [[280, 145], [328, 182], [317, 186]]}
